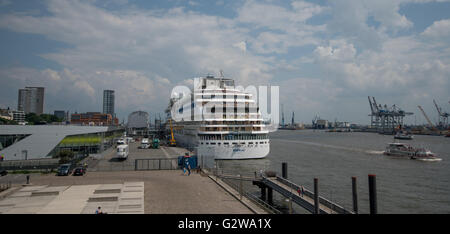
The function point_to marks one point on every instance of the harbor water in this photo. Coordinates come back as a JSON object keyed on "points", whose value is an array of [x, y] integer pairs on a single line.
{"points": [[403, 185]]}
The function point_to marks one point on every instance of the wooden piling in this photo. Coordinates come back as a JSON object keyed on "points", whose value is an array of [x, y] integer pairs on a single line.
{"points": [[355, 195], [263, 193], [270, 196], [373, 194], [284, 170], [316, 196]]}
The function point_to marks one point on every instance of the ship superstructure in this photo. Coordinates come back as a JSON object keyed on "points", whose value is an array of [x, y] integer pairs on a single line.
{"points": [[219, 120]]}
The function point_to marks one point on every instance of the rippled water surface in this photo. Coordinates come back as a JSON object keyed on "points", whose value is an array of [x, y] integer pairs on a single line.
{"points": [[403, 185]]}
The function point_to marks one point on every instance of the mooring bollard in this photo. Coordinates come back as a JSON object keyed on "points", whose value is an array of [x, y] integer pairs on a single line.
{"points": [[316, 196], [355, 195], [373, 194], [28, 179], [284, 170]]}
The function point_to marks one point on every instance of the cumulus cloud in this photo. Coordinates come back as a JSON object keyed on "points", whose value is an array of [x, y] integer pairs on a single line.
{"points": [[438, 30], [141, 53]]}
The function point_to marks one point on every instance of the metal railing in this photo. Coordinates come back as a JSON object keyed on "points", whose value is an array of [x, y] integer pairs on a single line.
{"points": [[240, 179], [156, 164], [29, 164], [331, 205]]}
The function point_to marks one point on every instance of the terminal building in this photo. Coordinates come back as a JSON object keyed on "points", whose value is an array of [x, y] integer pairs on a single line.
{"points": [[138, 123], [25, 142]]}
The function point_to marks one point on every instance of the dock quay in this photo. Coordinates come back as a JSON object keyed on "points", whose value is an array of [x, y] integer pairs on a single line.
{"points": [[164, 189], [111, 184]]}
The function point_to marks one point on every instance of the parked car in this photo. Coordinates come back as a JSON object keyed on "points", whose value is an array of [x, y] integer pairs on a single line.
{"points": [[3, 172], [64, 170], [79, 171]]}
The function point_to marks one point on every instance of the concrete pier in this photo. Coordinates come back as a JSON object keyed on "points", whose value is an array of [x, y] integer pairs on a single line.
{"points": [[117, 188]]}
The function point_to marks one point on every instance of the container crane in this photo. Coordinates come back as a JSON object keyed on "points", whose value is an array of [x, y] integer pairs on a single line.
{"points": [[443, 116]]}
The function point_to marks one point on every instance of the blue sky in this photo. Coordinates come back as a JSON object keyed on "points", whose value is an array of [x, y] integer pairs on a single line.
{"points": [[326, 56]]}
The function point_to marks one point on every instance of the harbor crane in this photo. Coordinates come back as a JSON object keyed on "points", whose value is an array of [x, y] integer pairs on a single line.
{"points": [[428, 119], [172, 141], [443, 116], [386, 119]]}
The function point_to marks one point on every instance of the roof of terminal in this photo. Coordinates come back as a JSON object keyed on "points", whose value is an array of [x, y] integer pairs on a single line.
{"points": [[42, 140]]}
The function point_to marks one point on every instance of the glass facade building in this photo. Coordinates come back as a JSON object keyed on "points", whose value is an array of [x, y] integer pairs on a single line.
{"points": [[108, 102]]}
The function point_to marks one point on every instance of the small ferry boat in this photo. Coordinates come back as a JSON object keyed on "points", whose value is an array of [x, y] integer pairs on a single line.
{"points": [[402, 135], [405, 150]]}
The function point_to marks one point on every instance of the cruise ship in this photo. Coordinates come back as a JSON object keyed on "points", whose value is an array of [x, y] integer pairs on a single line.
{"points": [[219, 120]]}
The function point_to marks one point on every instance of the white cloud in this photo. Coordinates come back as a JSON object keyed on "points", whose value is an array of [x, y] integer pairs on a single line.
{"points": [[438, 30], [142, 53]]}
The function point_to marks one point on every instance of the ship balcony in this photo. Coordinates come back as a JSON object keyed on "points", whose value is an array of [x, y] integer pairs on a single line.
{"points": [[226, 100], [233, 132], [234, 128]]}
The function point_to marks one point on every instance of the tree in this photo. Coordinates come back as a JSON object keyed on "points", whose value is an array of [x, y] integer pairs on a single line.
{"points": [[64, 156]]}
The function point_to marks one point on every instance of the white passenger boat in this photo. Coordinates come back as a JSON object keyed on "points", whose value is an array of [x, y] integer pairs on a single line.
{"points": [[402, 135], [405, 150]]}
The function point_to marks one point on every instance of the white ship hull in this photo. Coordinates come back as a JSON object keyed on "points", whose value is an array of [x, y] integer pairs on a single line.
{"points": [[244, 149]]}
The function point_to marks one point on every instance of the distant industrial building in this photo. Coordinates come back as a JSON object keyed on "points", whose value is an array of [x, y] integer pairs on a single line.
{"points": [[138, 123], [31, 100], [108, 102], [318, 123], [94, 119], [60, 114], [321, 124]]}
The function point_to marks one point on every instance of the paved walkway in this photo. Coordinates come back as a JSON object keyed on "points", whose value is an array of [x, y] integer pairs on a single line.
{"points": [[164, 192]]}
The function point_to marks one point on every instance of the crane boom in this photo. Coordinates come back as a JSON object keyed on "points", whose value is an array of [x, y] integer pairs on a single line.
{"points": [[371, 105], [375, 104], [437, 108], [426, 117], [172, 141]]}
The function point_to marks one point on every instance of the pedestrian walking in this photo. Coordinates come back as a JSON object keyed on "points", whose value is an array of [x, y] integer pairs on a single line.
{"points": [[186, 164], [303, 191], [99, 210]]}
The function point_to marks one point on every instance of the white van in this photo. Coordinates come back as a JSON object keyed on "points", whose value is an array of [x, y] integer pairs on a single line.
{"points": [[145, 144], [121, 142], [122, 151]]}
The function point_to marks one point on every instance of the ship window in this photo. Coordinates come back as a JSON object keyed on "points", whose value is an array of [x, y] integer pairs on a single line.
{"points": [[226, 143], [207, 143], [259, 142], [250, 143], [213, 143], [234, 143]]}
